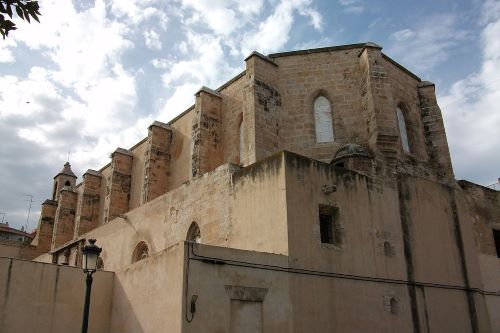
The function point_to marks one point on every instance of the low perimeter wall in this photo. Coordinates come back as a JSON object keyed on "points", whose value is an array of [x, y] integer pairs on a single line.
{"points": [[40, 297]]}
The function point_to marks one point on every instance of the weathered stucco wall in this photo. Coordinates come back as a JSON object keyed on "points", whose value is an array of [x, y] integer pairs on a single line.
{"points": [[227, 293], [260, 185], [147, 295], [10, 249], [427, 246], [165, 220], [37, 297]]}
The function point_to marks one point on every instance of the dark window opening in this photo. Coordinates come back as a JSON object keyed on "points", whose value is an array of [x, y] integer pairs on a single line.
{"points": [[388, 249], [328, 225], [394, 305], [496, 237], [67, 183], [54, 191]]}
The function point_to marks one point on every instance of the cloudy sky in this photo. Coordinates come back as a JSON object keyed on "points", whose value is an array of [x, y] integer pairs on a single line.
{"points": [[94, 74]]}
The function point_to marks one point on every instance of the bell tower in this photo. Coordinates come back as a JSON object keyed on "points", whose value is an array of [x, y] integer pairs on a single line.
{"points": [[64, 178]]}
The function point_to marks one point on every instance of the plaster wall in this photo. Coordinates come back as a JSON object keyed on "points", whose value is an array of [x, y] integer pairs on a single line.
{"points": [[147, 295], [368, 216], [10, 249], [260, 185], [217, 285], [37, 297]]}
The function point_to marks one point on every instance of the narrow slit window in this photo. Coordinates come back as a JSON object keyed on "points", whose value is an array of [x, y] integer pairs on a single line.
{"points": [[323, 120], [496, 237], [242, 142]]}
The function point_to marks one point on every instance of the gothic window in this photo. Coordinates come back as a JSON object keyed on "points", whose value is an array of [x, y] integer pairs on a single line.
{"points": [[403, 134], [194, 234], [67, 183], [329, 226], [323, 120], [141, 251]]}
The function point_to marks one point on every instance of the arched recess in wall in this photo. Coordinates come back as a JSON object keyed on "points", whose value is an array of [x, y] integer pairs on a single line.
{"points": [[141, 251], [194, 233], [67, 183], [402, 127], [323, 119]]}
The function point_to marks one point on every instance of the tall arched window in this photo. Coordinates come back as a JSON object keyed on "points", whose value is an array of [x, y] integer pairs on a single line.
{"points": [[323, 120], [141, 251], [194, 234], [403, 134]]}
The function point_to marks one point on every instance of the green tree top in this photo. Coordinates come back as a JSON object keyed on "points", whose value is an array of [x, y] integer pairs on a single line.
{"points": [[23, 8]]}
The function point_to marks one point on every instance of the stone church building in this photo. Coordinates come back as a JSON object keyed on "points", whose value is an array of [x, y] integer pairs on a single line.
{"points": [[313, 192]]}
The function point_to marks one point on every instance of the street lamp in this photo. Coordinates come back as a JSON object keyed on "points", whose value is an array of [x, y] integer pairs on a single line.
{"points": [[90, 255]]}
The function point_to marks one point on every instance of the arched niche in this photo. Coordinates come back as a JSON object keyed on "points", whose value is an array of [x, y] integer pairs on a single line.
{"points": [[194, 234], [141, 251]]}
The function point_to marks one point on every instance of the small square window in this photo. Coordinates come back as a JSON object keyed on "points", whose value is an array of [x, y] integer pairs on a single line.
{"points": [[496, 237], [328, 225]]}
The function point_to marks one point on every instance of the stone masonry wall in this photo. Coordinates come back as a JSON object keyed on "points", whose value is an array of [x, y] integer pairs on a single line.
{"points": [[156, 162], [45, 229], [87, 215], [435, 136], [266, 113], [302, 78], [64, 224], [207, 147], [118, 185]]}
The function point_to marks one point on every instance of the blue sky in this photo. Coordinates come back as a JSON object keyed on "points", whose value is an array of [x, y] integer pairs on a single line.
{"points": [[94, 74]]}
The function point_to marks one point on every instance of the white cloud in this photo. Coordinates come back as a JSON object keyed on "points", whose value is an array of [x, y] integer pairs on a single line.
{"points": [[274, 32], [429, 43], [206, 65], [352, 6], [403, 35], [83, 100], [470, 111], [216, 14], [181, 99], [160, 63], [138, 11], [6, 55], [152, 40]]}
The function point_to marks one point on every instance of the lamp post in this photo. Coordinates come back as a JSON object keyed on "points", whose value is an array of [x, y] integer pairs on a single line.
{"points": [[90, 255]]}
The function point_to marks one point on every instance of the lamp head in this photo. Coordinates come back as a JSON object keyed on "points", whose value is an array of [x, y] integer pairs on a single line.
{"points": [[90, 255]]}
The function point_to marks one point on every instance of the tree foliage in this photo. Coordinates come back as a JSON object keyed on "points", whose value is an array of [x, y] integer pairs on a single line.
{"points": [[23, 8]]}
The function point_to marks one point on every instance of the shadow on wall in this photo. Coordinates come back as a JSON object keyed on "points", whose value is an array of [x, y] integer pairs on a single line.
{"points": [[123, 317]]}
